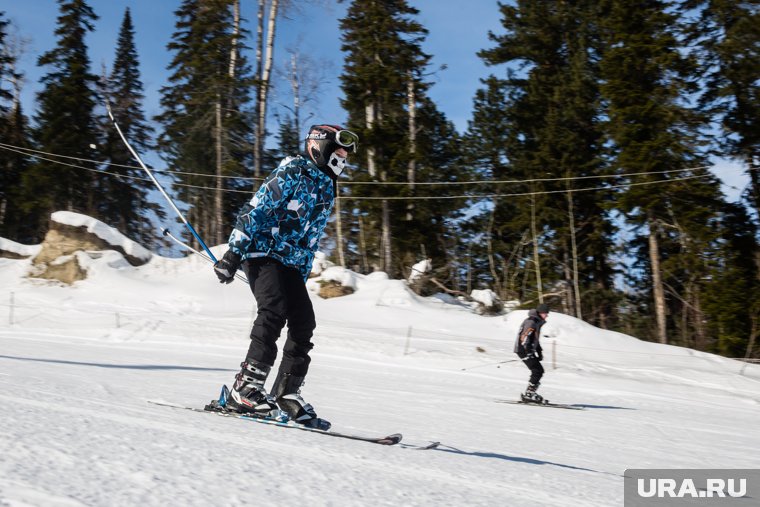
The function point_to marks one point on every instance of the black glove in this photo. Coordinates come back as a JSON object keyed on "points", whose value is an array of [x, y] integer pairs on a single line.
{"points": [[226, 267]]}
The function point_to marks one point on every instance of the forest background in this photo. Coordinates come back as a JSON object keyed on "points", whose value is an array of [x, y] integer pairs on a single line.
{"points": [[584, 171]]}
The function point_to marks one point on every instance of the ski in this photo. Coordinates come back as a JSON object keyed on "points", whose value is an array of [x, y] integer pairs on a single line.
{"points": [[216, 408], [391, 439], [431, 445], [547, 404]]}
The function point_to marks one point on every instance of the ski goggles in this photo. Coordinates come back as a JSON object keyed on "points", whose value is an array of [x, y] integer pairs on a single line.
{"points": [[348, 140]]}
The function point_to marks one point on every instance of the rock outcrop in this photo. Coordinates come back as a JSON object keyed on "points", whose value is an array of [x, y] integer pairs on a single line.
{"points": [[71, 235]]}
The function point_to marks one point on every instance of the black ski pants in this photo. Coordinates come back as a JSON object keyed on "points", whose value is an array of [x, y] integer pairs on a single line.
{"points": [[536, 370], [281, 297]]}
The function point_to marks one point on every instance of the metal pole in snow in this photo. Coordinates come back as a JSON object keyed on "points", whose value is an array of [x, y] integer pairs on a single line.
{"points": [[204, 256], [158, 185], [490, 364], [408, 339], [554, 354]]}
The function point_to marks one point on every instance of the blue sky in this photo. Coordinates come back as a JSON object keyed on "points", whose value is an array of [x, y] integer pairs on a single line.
{"points": [[456, 34], [457, 30]]}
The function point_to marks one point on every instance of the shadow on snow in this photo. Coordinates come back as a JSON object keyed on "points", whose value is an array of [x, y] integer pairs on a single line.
{"points": [[118, 366], [517, 459], [583, 405]]}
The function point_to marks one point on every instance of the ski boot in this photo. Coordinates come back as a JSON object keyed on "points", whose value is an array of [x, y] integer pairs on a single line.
{"points": [[287, 392], [248, 395], [531, 396]]}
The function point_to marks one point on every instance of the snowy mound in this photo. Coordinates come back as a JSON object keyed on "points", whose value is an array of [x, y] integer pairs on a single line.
{"points": [[73, 239], [109, 235], [343, 276], [12, 250], [419, 270]]}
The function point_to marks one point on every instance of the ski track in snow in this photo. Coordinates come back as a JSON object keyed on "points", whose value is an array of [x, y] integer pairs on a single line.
{"points": [[77, 428]]}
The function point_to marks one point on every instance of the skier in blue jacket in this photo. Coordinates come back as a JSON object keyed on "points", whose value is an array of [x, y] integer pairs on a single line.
{"points": [[274, 241]]}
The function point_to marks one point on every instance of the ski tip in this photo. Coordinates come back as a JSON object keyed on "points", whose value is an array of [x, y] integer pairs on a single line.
{"points": [[423, 447]]}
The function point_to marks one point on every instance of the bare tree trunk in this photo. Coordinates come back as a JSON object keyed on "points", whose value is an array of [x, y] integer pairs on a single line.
{"points": [[685, 334], [386, 232], [699, 321], [657, 287], [751, 344], [363, 244], [602, 315], [236, 36], [16, 83], [258, 135], [295, 84], [369, 112], [489, 245], [469, 269], [701, 330], [411, 171], [568, 301], [216, 230], [752, 338], [264, 79], [386, 254], [574, 252], [536, 259]]}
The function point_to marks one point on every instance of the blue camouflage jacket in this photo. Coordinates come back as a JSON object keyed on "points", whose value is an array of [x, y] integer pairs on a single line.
{"points": [[287, 216]]}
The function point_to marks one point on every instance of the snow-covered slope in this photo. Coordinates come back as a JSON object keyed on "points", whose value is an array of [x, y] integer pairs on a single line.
{"points": [[78, 364]]}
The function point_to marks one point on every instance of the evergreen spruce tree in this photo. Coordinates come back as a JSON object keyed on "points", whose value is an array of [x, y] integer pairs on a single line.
{"points": [[646, 81], [14, 220], [65, 124], [289, 143], [10, 176], [14, 132], [494, 242], [728, 36], [206, 133], [430, 226], [731, 303], [6, 68], [127, 206], [546, 114], [386, 92]]}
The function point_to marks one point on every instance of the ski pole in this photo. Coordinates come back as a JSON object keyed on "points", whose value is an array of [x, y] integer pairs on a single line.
{"points": [[490, 364], [203, 255], [158, 185]]}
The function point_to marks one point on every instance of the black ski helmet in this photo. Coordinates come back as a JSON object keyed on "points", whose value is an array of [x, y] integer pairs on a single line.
{"points": [[323, 140]]}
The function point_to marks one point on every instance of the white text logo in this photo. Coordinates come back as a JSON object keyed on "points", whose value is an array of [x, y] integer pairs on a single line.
{"points": [[716, 488]]}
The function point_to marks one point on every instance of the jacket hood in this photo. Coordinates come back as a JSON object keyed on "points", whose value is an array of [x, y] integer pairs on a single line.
{"points": [[533, 314]]}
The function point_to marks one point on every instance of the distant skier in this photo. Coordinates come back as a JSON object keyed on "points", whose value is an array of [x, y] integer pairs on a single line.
{"points": [[274, 241], [528, 347]]}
